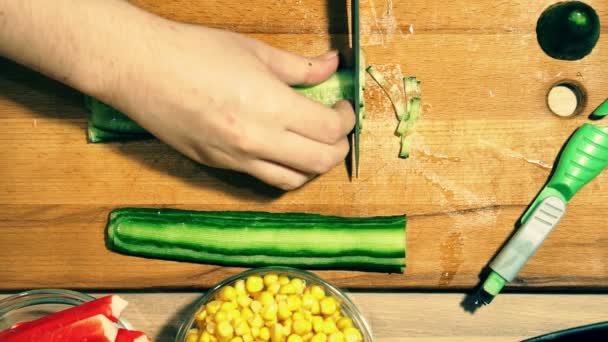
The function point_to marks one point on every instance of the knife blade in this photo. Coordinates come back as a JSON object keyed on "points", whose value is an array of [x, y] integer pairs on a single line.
{"points": [[355, 44]]}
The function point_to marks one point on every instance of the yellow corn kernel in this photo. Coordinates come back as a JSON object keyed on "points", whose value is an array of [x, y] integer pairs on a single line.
{"points": [[228, 306], [243, 300], [336, 315], [256, 321], [254, 284], [234, 314], [274, 288], [255, 306], [225, 330], [328, 305], [205, 337], [270, 324], [352, 335], [302, 327], [192, 336], [329, 326], [237, 339], [320, 337], [269, 312], [287, 289], [287, 326], [294, 302], [247, 338], [343, 323], [210, 328], [264, 334], [265, 297], [308, 301], [239, 286], [283, 280], [307, 315], [283, 311], [316, 308], [337, 336], [280, 297], [298, 284], [227, 293], [317, 324], [276, 333], [242, 329], [213, 306], [255, 331], [246, 313], [317, 292], [298, 315], [307, 337], [238, 321], [201, 315], [213, 338], [294, 338], [221, 316], [270, 278]]}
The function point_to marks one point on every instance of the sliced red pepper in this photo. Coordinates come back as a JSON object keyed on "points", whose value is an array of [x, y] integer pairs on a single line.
{"points": [[93, 329], [125, 335], [109, 306]]}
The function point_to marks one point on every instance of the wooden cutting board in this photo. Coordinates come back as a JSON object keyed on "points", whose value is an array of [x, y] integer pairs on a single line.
{"points": [[483, 149]]}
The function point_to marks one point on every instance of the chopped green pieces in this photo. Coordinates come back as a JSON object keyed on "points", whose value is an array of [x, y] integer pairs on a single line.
{"points": [[408, 112]]}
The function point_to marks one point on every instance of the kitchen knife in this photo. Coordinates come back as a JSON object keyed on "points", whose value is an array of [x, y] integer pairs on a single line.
{"points": [[356, 84]]}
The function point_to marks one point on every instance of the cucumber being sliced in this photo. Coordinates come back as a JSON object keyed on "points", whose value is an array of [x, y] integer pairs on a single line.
{"points": [[254, 239], [107, 124]]}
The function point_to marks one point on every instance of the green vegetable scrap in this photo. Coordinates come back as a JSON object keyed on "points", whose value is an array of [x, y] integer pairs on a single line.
{"points": [[408, 112]]}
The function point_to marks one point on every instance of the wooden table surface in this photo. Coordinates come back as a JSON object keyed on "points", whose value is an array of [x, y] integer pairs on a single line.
{"points": [[404, 317], [483, 149]]}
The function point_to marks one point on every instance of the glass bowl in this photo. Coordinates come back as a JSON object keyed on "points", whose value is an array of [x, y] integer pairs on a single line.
{"points": [[34, 304], [347, 307]]}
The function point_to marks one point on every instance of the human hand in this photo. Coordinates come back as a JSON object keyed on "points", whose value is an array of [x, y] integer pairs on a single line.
{"points": [[224, 100]]}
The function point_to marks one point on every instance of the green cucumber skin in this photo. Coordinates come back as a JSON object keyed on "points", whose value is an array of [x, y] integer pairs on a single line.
{"points": [[109, 119], [253, 239]]}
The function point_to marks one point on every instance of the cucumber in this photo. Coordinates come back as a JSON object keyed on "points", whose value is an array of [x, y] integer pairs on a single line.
{"points": [[107, 124], [255, 239]]}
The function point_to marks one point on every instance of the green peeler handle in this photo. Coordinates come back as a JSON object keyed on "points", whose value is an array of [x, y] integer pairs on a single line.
{"points": [[583, 158]]}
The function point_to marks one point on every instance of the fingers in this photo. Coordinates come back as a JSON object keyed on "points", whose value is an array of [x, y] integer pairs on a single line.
{"points": [[305, 155], [276, 175], [294, 69], [317, 122]]}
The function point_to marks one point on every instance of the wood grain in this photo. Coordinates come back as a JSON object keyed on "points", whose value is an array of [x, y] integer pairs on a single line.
{"points": [[399, 317], [484, 148]]}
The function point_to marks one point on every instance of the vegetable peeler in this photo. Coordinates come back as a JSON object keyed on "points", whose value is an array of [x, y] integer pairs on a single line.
{"points": [[583, 158]]}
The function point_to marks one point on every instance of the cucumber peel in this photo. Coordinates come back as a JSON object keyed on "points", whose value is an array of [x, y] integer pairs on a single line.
{"points": [[254, 239], [107, 124], [408, 112]]}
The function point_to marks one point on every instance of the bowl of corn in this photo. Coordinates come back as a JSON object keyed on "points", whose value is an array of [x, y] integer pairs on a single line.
{"points": [[275, 304]]}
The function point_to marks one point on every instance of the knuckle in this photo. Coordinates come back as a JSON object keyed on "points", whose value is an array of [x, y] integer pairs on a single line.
{"points": [[291, 183], [334, 130], [242, 142], [324, 162]]}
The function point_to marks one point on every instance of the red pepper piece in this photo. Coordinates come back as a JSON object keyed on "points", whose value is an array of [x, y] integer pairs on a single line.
{"points": [[125, 335], [109, 306], [93, 329]]}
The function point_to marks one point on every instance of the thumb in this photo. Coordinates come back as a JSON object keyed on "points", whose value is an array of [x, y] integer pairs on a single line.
{"points": [[294, 69]]}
